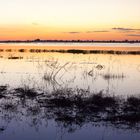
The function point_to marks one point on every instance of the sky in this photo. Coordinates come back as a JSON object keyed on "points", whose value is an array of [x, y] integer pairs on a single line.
{"points": [[70, 19]]}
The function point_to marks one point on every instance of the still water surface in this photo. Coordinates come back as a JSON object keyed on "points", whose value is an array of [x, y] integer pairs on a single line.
{"points": [[117, 75]]}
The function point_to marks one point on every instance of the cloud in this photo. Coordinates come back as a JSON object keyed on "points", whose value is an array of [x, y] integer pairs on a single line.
{"points": [[125, 29], [72, 32], [136, 35], [98, 31]]}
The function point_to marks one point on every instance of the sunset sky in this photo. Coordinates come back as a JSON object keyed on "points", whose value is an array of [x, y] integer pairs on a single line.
{"points": [[70, 19]]}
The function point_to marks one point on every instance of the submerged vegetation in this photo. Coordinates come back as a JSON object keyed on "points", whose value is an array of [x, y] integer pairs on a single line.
{"points": [[50, 98], [113, 76], [71, 107], [75, 51], [15, 57]]}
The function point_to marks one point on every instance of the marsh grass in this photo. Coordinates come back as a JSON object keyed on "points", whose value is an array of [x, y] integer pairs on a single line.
{"points": [[3, 91], [80, 51], [76, 51], [25, 92], [113, 76], [73, 106], [22, 50], [9, 106], [1, 50], [52, 73], [8, 50], [15, 57]]}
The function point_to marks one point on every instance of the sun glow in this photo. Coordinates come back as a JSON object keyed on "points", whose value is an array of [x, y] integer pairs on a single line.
{"points": [[65, 19]]}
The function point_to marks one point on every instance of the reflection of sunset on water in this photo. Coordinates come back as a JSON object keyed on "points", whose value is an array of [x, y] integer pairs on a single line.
{"points": [[85, 70]]}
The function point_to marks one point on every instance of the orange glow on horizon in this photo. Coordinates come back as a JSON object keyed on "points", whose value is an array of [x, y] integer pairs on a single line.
{"points": [[64, 36], [70, 20]]}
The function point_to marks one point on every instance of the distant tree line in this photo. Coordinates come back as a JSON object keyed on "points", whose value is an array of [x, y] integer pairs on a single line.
{"points": [[71, 41]]}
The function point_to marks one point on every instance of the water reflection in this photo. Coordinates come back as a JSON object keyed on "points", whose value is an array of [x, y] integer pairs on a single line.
{"points": [[111, 73], [70, 109], [57, 95]]}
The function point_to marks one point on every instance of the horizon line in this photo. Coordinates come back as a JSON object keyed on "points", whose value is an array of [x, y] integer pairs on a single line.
{"points": [[76, 40]]}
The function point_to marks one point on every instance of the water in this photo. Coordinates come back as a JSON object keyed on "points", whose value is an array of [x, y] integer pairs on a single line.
{"points": [[117, 75]]}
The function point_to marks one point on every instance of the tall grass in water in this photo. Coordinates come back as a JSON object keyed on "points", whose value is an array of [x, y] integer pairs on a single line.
{"points": [[113, 76], [77, 51], [72, 106], [52, 71], [15, 57]]}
